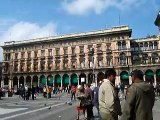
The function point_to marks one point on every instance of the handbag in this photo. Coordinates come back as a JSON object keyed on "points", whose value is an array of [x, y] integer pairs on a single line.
{"points": [[85, 102]]}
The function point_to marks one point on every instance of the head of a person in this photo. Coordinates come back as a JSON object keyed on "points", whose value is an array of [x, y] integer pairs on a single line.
{"points": [[110, 74], [88, 85], [137, 75]]}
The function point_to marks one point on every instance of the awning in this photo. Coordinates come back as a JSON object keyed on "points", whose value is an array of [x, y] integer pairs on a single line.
{"points": [[125, 76], [43, 80], [51, 80], [66, 79], [58, 79], [149, 73], [74, 79]]}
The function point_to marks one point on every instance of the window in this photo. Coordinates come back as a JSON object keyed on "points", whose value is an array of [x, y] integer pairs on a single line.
{"points": [[57, 51], [81, 49], [22, 55], [73, 50], [65, 51], [42, 53], [16, 56], [35, 54], [50, 52], [29, 54]]}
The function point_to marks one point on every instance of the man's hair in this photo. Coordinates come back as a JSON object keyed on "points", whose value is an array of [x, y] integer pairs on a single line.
{"points": [[138, 74], [110, 72]]}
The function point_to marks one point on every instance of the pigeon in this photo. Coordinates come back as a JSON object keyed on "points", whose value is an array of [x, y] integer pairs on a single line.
{"points": [[49, 107]]}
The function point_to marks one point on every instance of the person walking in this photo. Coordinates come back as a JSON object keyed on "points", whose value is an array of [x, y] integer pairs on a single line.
{"points": [[109, 103], [140, 99], [33, 92], [88, 94]]}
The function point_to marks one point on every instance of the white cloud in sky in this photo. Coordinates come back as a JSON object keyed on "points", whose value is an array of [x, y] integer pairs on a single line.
{"points": [[81, 7], [26, 30]]}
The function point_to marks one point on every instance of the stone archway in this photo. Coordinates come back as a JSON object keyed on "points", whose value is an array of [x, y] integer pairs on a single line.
{"points": [[15, 84], [65, 80], [149, 76], [158, 76], [57, 80], [21, 80], [35, 81], [6, 81], [74, 79], [124, 77], [42, 80], [90, 78], [82, 78], [100, 77], [28, 81], [50, 80]]}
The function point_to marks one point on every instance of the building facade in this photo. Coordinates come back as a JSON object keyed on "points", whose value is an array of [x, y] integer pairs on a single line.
{"points": [[80, 58]]}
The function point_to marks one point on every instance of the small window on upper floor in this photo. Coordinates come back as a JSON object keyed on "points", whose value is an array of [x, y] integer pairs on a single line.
{"points": [[57, 51], [99, 48], [42, 53], [65, 51], [81, 49], [50, 52], [29, 54], [73, 50], [35, 54], [22, 55]]}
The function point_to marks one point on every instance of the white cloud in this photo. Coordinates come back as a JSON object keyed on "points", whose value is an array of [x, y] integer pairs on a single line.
{"points": [[81, 7], [26, 30]]}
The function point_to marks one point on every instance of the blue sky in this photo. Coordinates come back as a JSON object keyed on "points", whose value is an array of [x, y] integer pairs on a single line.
{"points": [[26, 19]]}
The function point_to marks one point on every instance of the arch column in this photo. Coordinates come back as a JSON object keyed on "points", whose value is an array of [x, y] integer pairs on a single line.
{"points": [[95, 78], [130, 79], [87, 78], [61, 80], [18, 81], [155, 81], [144, 78]]}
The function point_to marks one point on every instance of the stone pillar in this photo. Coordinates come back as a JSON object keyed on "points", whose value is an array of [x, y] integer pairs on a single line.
{"points": [[95, 78], [18, 82], [39, 64], [24, 80], [78, 80], [130, 80], [61, 81], [144, 78], [155, 81], [87, 79], [38, 80]]}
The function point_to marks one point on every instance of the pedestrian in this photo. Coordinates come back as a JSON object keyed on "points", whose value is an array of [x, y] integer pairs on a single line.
{"points": [[140, 99], [95, 97], [33, 92], [88, 94], [109, 103], [73, 93]]}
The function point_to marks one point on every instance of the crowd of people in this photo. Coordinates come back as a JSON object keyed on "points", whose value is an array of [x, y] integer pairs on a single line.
{"points": [[139, 98]]}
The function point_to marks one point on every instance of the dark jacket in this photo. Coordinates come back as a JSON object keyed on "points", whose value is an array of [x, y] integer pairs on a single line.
{"points": [[139, 102], [95, 97]]}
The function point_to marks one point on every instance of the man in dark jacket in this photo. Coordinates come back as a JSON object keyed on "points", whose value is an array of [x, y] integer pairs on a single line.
{"points": [[139, 99]]}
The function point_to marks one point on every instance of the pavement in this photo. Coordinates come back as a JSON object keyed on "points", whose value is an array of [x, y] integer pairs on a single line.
{"points": [[15, 107]]}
